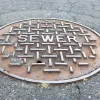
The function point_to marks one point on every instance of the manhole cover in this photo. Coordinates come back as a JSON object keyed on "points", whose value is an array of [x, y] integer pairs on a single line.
{"points": [[50, 51]]}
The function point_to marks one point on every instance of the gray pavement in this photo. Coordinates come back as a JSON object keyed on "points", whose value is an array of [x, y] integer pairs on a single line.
{"points": [[86, 12]]}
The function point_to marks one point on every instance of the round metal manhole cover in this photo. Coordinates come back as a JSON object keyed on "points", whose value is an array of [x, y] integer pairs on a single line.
{"points": [[49, 50]]}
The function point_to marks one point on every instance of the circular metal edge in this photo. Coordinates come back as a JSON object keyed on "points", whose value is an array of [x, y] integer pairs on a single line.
{"points": [[53, 82]]}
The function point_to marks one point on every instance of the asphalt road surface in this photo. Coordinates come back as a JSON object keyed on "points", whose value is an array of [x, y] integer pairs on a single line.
{"points": [[86, 12]]}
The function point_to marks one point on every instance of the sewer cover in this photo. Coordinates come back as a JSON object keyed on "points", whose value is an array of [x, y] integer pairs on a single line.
{"points": [[49, 51]]}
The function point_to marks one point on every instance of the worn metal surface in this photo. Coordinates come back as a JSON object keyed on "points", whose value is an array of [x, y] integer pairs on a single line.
{"points": [[49, 50]]}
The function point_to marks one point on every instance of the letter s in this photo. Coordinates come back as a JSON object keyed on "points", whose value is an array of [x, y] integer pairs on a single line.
{"points": [[22, 38]]}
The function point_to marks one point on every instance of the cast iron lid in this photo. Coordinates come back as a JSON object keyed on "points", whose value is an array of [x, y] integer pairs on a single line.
{"points": [[49, 51]]}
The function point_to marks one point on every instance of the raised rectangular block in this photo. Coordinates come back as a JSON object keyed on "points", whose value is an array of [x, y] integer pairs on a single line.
{"points": [[60, 63], [59, 49], [29, 69], [89, 44], [37, 29], [9, 34], [34, 64], [63, 26], [70, 44], [73, 56], [49, 56], [20, 29], [25, 56], [83, 64], [19, 49], [84, 34], [51, 70], [26, 43], [92, 56], [71, 69], [48, 43], [37, 49], [5, 44], [73, 30], [15, 64]]}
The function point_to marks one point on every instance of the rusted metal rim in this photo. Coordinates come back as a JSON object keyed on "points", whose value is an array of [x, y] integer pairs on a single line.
{"points": [[61, 80], [52, 82]]}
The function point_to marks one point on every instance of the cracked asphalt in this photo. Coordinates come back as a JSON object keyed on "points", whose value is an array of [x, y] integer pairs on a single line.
{"points": [[86, 12]]}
